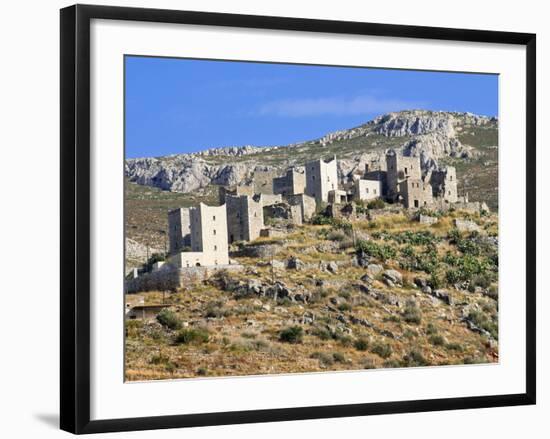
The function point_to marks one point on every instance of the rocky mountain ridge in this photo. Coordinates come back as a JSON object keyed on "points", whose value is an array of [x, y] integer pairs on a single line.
{"points": [[431, 135]]}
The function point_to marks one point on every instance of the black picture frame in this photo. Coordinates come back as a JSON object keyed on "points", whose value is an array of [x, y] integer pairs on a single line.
{"points": [[75, 217]]}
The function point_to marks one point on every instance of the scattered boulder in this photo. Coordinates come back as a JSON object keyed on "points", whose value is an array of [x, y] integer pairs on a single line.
{"points": [[393, 276], [443, 296], [332, 267], [426, 219], [278, 291], [367, 278], [360, 259], [335, 300], [466, 225], [427, 289], [278, 265], [420, 282], [374, 269], [295, 264]]}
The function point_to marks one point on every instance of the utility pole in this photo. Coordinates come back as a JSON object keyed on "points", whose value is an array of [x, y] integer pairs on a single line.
{"points": [[272, 268]]}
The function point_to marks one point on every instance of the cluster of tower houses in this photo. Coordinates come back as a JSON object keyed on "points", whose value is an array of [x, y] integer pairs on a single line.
{"points": [[199, 236]]}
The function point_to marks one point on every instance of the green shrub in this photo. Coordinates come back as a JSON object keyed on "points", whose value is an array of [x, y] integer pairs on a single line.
{"points": [[485, 322], [412, 314], [321, 220], [192, 336], [383, 350], [339, 357], [435, 281], [431, 329], [377, 203], [202, 371], [159, 359], [343, 339], [155, 257], [216, 310], [361, 344], [169, 319], [323, 333], [454, 347], [324, 358], [336, 235], [292, 334], [344, 307], [379, 251], [437, 340], [414, 358]]}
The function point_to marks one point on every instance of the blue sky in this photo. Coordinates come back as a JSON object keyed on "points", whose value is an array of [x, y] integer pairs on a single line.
{"points": [[178, 105]]}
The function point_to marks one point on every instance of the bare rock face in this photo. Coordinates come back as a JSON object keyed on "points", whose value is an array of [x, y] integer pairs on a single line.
{"points": [[413, 123], [430, 135], [183, 174]]}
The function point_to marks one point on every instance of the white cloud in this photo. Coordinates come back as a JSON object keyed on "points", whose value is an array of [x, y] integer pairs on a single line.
{"points": [[335, 106]]}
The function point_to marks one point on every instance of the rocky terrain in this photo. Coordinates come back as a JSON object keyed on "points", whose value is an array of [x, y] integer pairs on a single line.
{"points": [[467, 141], [380, 290]]}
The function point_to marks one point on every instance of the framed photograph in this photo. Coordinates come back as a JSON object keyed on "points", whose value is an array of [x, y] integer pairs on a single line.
{"points": [[268, 219]]}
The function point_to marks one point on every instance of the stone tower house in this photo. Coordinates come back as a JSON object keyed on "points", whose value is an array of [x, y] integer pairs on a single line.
{"points": [[398, 169], [444, 184], [292, 183], [245, 218], [208, 237], [179, 229], [321, 178], [415, 192]]}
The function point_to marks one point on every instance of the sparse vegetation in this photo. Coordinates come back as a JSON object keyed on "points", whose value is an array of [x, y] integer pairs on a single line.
{"points": [[192, 336], [293, 334], [169, 319], [221, 327]]}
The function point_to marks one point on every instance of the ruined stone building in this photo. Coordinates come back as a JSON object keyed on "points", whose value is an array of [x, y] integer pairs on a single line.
{"points": [[245, 218], [366, 190], [400, 168], [321, 178], [262, 181], [292, 183], [415, 192], [241, 189], [407, 184], [306, 204], [207, 235], [444, 184]]}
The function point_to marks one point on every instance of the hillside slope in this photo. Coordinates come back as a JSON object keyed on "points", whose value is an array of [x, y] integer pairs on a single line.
{"points": [[467, 141]]}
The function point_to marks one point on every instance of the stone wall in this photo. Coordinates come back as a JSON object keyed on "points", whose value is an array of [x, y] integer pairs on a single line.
{"points": [[172, 278], [262, 181], [268, 199], [244, 218], [307, 205]]}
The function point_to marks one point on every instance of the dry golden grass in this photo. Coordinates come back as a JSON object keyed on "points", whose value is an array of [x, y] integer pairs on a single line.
{"points": [[244, 333]]}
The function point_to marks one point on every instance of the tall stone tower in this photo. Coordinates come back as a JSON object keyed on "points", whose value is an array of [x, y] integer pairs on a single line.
{"points": [[179, 229], [399, 168], [321, 178], [245, 218]]}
